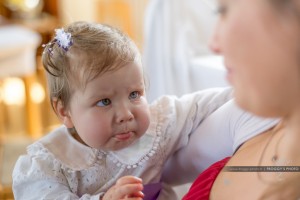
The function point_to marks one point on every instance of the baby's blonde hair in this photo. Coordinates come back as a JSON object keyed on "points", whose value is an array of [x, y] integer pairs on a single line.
{"points": [[95, 49]]}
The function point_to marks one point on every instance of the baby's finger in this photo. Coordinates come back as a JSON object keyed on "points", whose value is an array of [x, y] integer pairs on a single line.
{"points": [[129, 190], [128, 180], [133, 198], [137, 194]]}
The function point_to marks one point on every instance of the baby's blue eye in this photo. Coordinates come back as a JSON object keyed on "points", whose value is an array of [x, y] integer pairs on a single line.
{"points": [[104, 102], [134, 95]]}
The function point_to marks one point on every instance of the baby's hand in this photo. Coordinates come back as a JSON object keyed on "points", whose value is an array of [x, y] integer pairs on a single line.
{"points": [[127, 187]]}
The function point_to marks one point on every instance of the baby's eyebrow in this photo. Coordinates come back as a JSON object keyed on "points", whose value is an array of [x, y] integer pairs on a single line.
{"points": [[98, 96], [135, 86]]}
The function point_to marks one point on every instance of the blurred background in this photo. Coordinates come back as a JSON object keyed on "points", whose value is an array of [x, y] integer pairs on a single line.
{"points": [[172, 35]]}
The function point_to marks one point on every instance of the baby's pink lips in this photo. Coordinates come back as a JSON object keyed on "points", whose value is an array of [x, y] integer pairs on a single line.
{"points": [[124, 136]]}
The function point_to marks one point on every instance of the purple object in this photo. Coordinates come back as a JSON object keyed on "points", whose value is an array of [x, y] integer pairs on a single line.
{"points": [[151, 191]]}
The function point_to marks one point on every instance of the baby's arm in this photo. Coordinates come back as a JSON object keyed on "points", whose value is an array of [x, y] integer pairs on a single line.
{"points": [[34, 178], [180, 116], [127, 187], [41, 177]]}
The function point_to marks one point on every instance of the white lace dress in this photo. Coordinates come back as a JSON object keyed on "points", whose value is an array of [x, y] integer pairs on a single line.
{"points": [[59, 167]]}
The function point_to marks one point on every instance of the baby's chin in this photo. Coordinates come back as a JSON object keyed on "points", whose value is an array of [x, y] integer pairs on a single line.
{"points": [[119, 145]]}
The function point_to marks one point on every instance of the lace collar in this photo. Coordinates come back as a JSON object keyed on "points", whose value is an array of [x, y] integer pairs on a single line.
{"points": [[77, 156]]}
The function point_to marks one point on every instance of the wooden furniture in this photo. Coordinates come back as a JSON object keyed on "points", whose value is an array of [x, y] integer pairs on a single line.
{"points": [[36, 116]]}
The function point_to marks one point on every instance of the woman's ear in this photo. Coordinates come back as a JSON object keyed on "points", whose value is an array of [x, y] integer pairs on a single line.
{"points": [[62, 113]]}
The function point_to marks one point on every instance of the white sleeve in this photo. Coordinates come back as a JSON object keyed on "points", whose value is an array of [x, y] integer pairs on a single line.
{"points": [[36, 177], [180, 116], [215, 138]]}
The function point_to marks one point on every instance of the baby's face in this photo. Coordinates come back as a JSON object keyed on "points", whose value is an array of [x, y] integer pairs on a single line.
{"points": [[112, 112]]}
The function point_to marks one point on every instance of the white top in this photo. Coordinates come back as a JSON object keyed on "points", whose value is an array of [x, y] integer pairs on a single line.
{"points": [[59, 167], [218, 136]]}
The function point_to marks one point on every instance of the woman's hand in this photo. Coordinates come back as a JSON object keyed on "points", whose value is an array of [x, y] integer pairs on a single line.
{"points": [[126, 188]]}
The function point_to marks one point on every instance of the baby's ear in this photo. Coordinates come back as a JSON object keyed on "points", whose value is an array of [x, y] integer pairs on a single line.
{"points": [[62, 113]]}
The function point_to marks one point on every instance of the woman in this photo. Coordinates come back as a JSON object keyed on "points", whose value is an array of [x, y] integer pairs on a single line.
{"points": [[260, 42]]}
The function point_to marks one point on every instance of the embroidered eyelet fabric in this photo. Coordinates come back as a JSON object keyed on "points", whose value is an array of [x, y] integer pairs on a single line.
{"points": [[59, 167]]}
